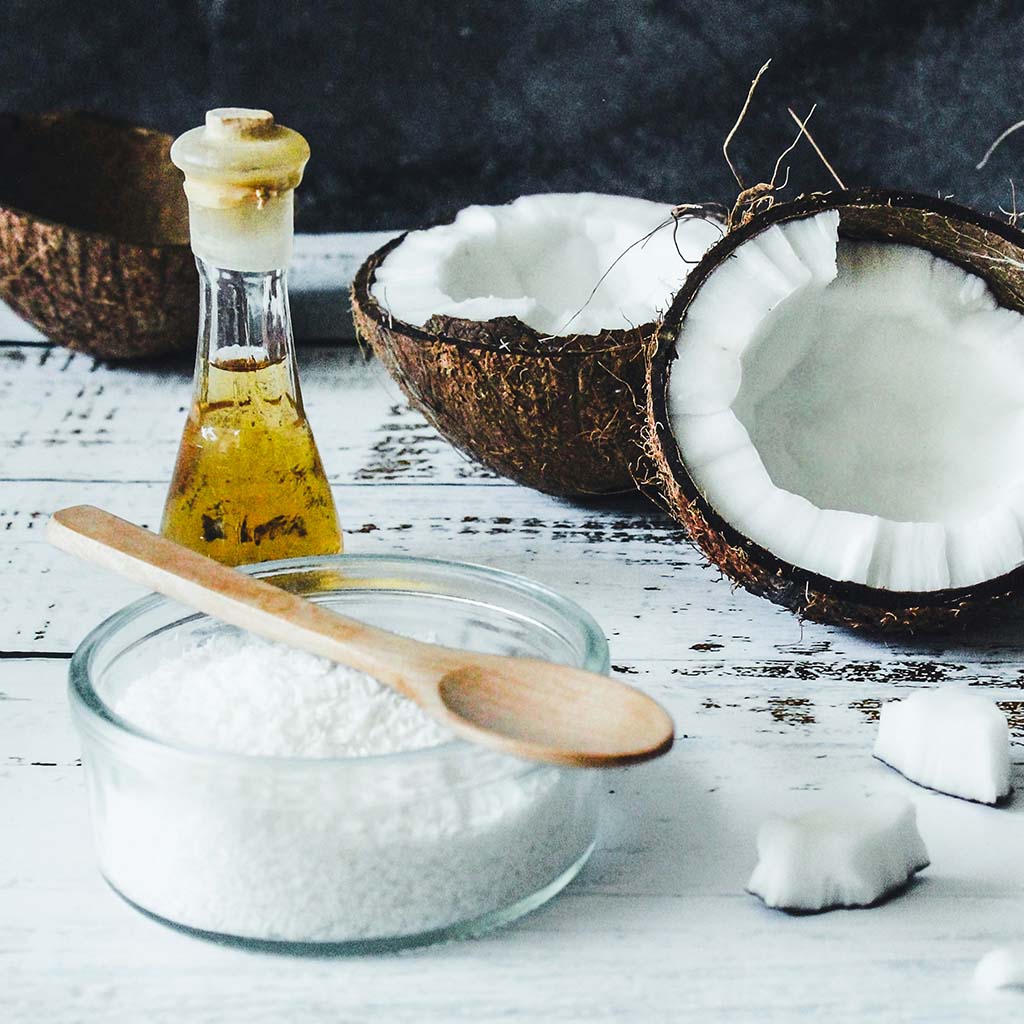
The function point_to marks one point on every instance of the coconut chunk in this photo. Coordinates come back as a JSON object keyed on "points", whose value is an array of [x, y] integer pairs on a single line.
{"points": [[951, 739], [1001, 968], [852, 853], [562, 263], [876, 383]]}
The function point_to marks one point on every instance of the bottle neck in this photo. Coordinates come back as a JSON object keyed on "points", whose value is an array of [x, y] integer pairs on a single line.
{"points": [[243, 315], [245, 325]]}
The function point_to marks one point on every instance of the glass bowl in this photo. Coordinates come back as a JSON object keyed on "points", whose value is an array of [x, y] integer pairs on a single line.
{"points": [[337, 854]]}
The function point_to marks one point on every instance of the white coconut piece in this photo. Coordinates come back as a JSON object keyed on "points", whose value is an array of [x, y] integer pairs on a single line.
{"points": [[875, 382], [950, 739], [540, 258], [852, 853], [1001, 968]]}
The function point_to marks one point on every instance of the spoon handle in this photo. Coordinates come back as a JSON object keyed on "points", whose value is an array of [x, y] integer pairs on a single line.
{"points": [[252, 604]]}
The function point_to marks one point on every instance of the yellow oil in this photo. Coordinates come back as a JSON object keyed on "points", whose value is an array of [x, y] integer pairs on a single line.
{"points": [[249, 485]]}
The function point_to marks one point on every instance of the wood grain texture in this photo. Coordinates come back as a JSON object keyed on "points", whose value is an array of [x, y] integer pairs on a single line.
{"points": [[771, 715]]}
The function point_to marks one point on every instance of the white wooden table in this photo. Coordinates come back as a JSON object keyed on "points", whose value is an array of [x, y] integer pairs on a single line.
{"points": [[771, 714]]}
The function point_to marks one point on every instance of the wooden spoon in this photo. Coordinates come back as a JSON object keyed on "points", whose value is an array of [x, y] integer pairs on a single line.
{"points": [[532, 709]]}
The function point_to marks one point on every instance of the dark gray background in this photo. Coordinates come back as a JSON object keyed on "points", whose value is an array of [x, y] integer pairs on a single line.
{"points": [[414, 109]]}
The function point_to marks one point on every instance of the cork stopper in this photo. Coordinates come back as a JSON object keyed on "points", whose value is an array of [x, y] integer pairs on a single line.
{"points": [[238, 123], [240, 171]]}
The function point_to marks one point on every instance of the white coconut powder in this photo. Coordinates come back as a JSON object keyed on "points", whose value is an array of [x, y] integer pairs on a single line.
{"points": [[288, 843], [243, 695]]}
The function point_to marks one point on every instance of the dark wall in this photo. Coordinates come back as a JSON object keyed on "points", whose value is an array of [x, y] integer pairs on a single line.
{"points": [[415, 108]]}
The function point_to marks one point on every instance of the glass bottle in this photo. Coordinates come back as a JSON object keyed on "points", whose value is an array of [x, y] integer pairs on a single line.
{"points": [[248, 484]]}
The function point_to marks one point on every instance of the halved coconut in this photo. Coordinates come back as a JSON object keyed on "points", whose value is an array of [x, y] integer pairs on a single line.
{"points": [[94, 248], [523, 331], [837, 408]]}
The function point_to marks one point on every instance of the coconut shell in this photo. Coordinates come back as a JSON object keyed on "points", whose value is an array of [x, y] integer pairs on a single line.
{"points": [[990, 248], [561, 415], [94, 235]]}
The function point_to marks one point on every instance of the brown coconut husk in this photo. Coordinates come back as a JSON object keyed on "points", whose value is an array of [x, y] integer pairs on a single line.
{"points": [[562, 415], [983, 245], [94, 235]]}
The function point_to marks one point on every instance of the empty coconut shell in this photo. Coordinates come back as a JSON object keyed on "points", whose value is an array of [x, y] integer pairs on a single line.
{"points": [[94, 235]]}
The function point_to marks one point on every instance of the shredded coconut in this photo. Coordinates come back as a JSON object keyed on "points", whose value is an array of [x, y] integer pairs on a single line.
{"points": [[243, 695], [314, 850]]}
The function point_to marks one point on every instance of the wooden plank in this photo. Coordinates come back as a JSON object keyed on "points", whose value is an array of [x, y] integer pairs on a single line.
{"points": [[626, 562], [658, 927], [83, 420]]}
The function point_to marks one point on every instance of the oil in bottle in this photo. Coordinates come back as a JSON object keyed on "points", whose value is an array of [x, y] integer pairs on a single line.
{"points": [[248, 484]]}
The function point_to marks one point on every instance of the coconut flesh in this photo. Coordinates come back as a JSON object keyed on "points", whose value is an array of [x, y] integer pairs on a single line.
{"points": [[855, 408], [545, 259]]}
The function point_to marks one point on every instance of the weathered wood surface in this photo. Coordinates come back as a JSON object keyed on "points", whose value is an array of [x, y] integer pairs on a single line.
{"points": [[771, 716], [657, 927]]}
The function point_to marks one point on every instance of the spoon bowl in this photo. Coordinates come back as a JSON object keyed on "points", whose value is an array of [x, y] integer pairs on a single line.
{"points": [[507, 702]]}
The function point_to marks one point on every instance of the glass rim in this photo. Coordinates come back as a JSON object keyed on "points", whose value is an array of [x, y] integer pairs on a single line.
{"points": [[96, 714]]}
